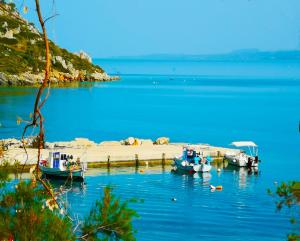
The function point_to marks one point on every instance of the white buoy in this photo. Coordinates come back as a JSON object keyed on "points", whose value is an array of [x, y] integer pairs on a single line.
{"points": [[174, 199], [219, 169]]}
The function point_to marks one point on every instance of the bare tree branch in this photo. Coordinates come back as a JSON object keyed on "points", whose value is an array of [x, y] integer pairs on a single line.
{"points": [[53, 16]]}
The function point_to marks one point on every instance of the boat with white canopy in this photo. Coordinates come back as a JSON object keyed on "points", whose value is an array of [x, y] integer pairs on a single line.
{"points": [[247, 157]]}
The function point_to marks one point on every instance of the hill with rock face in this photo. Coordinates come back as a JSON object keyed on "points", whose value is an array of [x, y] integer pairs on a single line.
{"points": [[22, 55]]}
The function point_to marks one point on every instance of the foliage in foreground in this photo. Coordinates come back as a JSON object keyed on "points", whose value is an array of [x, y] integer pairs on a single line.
{"points": [[288, 195], [28, 213], [24, 215], [109, 218]]}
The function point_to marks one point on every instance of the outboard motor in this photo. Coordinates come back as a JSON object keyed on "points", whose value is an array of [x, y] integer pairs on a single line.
{"points": [[256, 159], [249, 163]]}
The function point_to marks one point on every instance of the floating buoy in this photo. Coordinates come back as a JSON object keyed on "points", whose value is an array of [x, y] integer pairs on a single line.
{"points": [[219, 169], [219, 188], [142, 171], [18, 121], [213, 188], [173, 199]]}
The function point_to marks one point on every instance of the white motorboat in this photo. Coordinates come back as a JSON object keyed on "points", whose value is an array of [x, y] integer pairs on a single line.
{"points": [[192, 162], [244, 158], [61, 165]]}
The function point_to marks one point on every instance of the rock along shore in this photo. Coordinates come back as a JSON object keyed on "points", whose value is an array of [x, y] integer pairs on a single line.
{"points": [[30, 79]]}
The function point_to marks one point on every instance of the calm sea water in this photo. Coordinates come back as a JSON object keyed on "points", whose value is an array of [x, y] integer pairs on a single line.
{"points": [[199, 102]]}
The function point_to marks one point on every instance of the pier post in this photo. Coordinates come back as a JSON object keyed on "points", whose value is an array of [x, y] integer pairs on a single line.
{"points": [[136, 160], [108, 161], [163, 159]]}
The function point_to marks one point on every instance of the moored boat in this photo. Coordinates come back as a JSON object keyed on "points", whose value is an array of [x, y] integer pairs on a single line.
{"points": [[191, 161], [61, 165], [244, 158]]}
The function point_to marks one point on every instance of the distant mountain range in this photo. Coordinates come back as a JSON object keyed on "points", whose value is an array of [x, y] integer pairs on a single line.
{"points": [[239, 55]]}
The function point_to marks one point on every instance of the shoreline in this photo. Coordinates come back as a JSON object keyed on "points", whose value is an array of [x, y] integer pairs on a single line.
{"points": [[109, 153], [34, 80]]}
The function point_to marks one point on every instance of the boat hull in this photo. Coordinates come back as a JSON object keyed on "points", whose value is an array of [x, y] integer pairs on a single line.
{"points": [[77, 174], [241, 160], [182, 165]]}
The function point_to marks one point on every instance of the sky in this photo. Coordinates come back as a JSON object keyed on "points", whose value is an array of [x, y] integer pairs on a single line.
{"points": [[105, 28]]}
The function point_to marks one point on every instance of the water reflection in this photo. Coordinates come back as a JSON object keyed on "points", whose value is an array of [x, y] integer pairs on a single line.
{"points": [[191, 180], [128, 170], [242, 176], [18, 175], [220, 174], [68, 185]]}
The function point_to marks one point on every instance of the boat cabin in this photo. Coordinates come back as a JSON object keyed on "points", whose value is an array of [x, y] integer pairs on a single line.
{"points": [[58, 159], [190, 155]]}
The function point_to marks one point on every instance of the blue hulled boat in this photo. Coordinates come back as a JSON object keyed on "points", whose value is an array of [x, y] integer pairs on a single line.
{"points": [[191, 161]]}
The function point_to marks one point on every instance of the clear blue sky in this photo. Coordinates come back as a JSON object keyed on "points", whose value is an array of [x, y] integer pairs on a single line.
{"points": [[139, 27]]}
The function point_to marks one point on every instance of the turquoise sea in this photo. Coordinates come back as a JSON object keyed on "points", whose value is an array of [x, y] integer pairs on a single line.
{"points": [[211, 102]]}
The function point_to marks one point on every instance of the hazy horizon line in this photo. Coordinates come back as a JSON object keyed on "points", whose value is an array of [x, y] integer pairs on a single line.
{"points": [[233, 52]]}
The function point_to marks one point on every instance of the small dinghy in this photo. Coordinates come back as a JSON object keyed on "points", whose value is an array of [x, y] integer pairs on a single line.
{"points": [[192, 162], [61, 165], [243, 158]]}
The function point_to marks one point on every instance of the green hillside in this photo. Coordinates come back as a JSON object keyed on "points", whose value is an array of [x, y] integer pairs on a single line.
{"points": [[22, 54]]}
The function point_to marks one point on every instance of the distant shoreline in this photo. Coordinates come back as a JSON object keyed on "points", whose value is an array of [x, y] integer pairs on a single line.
{"points": [[247, 55], [34, 80]]}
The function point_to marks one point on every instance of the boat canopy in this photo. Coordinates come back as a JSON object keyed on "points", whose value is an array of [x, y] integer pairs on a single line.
{"points": [[243, 143]]}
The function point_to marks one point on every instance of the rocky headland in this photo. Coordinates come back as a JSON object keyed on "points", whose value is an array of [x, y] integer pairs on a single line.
{"points": [[22, 54]]}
